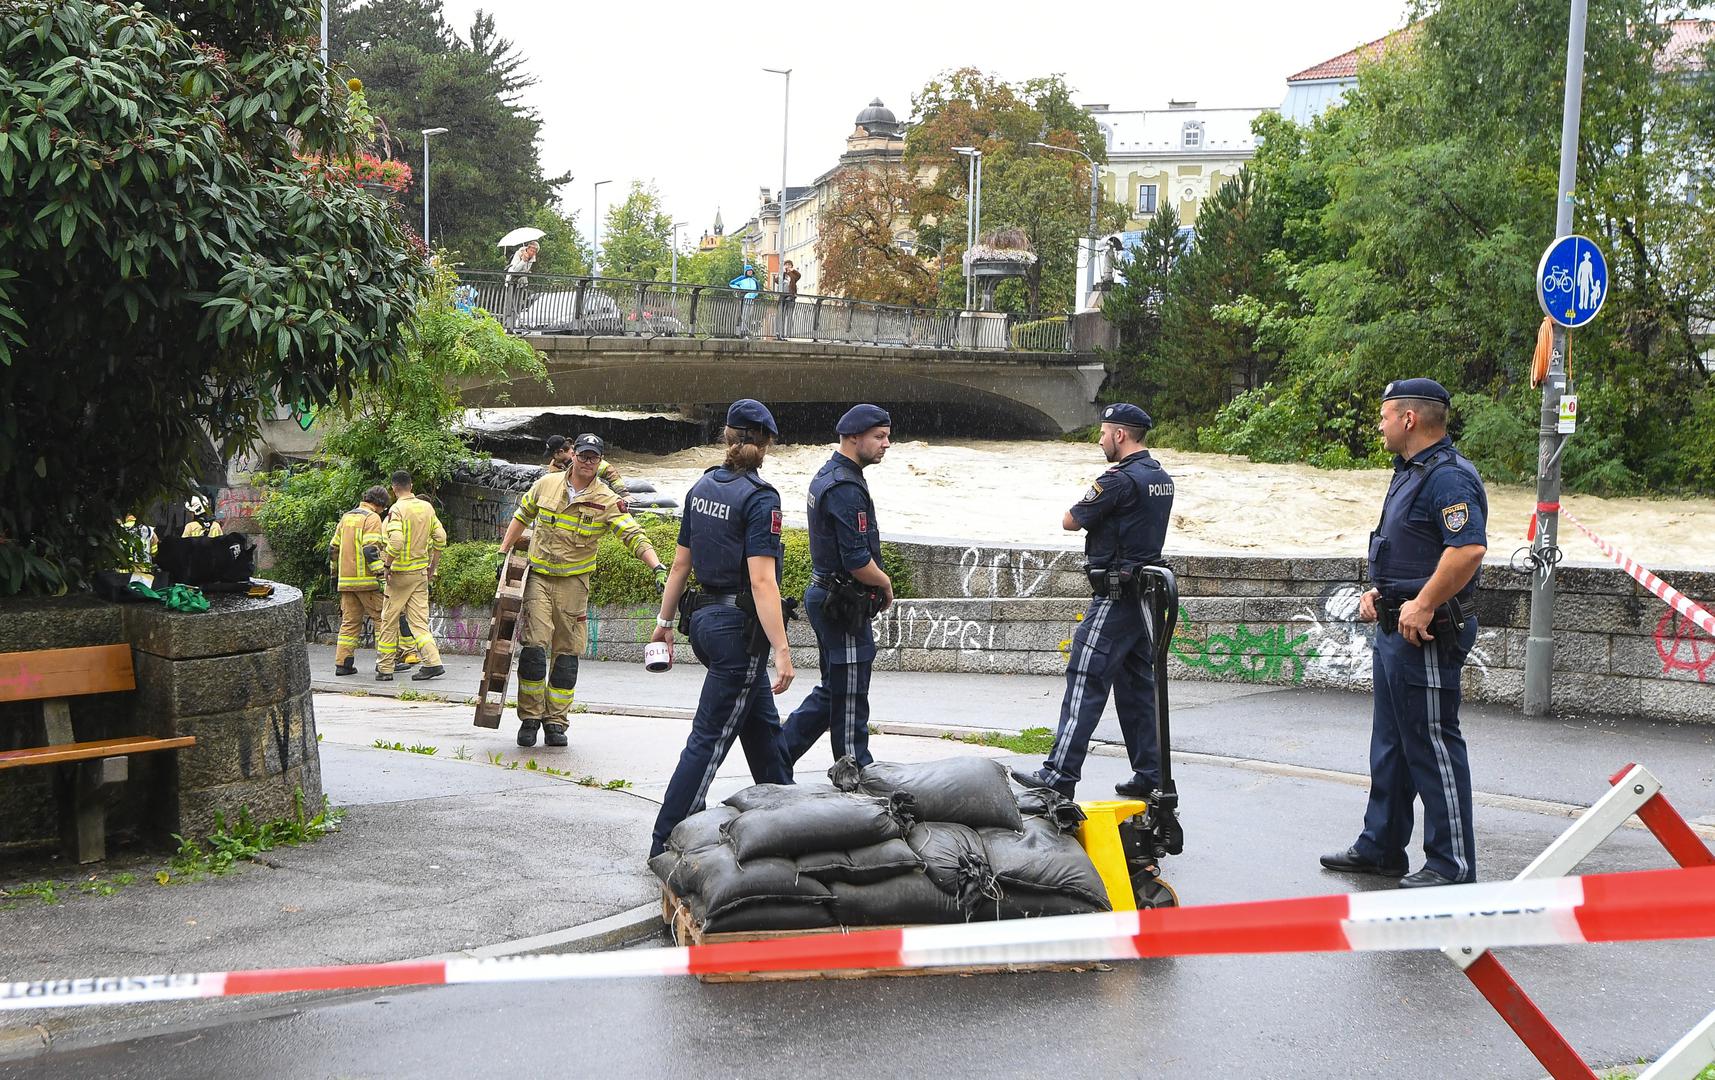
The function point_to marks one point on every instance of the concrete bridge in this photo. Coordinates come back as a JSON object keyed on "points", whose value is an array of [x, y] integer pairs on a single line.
{"points": [[1003, 392]]}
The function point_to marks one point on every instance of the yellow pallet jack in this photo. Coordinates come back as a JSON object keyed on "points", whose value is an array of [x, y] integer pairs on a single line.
{"points": [[1126, 839]]}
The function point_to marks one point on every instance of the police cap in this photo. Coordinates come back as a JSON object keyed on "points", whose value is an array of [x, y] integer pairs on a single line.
{"points": [[751, 413], [1127, 414], [860, 418], [1427, 389], [586, 441]]}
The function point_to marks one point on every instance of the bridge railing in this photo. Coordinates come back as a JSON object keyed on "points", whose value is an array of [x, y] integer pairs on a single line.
{"points": [[557, 304]]}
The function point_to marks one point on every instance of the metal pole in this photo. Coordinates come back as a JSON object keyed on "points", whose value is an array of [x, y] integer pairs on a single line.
{"points": [[780, 233], [1090, 261], [595, 225], [1539, 646], [425, 189], [970, 221], [677, 225], [325, 4]]}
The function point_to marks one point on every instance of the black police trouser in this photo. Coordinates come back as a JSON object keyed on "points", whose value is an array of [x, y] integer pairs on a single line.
{"points": [[839, 704], [1418, 752], [1113, 649], [737, 703]]}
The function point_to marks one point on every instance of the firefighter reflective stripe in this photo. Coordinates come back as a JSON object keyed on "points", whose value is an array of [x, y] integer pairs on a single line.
{"points": [[414, 534], [356, 550]]}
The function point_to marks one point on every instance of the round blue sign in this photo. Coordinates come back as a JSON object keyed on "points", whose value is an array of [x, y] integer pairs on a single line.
{"points": [[1572, 280]]}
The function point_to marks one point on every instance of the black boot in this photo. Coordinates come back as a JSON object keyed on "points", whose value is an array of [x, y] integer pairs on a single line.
{"points": [[347, 668], [527, 732], [383, 676], [555, 735], [429, 673]]}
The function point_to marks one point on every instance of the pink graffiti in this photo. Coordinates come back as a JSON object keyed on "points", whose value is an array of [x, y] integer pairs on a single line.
{"points": [[1683, 647]]}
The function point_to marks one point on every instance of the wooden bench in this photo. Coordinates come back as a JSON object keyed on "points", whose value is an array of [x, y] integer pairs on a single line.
{"points": [[90, 771]]}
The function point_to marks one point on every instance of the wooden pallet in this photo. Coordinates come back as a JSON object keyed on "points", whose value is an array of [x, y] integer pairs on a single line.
{"points": [[687, 931], [502, 630]]}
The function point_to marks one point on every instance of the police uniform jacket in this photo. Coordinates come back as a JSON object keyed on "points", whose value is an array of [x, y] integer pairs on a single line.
{"points": [[413, 534], [729, 517], [1435, 501], [1125, 514], [356, 550], [843, 533], [567, 526]]}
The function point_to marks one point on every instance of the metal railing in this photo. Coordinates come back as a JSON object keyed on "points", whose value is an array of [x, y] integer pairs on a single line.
{"points": [[555, 304]]}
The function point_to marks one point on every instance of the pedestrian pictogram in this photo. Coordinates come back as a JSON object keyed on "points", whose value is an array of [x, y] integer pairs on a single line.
{"points": [[1572, 280]]}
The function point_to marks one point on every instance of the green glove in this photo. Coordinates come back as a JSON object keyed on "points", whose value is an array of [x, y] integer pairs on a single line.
{"points": [[660, 580]]}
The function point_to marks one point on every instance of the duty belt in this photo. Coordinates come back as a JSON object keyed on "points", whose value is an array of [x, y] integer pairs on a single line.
{"points": [[716, 599], [1448, 617], [822, 581]]}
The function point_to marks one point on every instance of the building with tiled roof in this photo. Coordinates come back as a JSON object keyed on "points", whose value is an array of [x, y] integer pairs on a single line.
{"points": [[1177, 156]]}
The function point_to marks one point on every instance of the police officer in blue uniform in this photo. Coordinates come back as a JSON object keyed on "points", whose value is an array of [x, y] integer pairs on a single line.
{"points": [[847, 589], [1125, 513], [730, 536], [1424, 559]]}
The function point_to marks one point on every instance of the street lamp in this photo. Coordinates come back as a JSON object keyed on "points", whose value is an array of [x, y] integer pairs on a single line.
{"points": [[785, 111], [1095, 194], [973, 209], [677, 225], [595, 224], [426, 133]]}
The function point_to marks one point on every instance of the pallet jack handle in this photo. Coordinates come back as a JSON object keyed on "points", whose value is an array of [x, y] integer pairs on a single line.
{"points": [[1161, 592]]}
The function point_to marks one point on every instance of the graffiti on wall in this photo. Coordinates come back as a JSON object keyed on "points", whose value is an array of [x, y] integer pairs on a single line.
{"points": [[632, 626], [1683, 647], [1004, 572], [907, 626], [1266, 654]]}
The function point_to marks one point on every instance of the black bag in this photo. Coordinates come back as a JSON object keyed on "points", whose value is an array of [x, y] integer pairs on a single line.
{"points": [[208, 560], [956, 860], [904, 898], [713, 880], [764, 796], [834, 819], [970, 791], [1022, 902], [773, 915], [700, 830], [1042, 857], [861, 866], [1047, 803]]}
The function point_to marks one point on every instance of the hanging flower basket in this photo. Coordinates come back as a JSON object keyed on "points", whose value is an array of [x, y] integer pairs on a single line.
{"points": [[376, 174]]}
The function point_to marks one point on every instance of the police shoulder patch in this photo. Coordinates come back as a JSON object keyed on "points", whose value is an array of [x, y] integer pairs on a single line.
{"points": [[1094, 493], [863, 521], [774, 523], [1454, 517]]}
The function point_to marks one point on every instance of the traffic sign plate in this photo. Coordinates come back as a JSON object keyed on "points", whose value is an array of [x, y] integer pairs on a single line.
{"points": [[1572, 280]]}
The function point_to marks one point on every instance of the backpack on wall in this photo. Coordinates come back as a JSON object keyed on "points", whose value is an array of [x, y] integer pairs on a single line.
{"points": [[208, 560]]}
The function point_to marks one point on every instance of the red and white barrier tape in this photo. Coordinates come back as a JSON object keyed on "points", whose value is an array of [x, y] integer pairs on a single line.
{"points": [[1638, 906], [1674, 599]]}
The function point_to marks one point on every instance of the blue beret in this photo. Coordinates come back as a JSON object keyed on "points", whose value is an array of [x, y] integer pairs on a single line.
{"points": [[751, 413], [860, 418], [1428, 389], [1130, 415]]}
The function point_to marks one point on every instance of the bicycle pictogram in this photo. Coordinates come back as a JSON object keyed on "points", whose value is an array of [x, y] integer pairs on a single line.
{"points": [[1559, 279]]}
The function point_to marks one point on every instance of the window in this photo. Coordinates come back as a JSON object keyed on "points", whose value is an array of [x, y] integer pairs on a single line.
{"points": [[1146, 198], [1193, 136]]}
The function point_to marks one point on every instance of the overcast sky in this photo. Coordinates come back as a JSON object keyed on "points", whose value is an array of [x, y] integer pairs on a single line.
{"points": [[672, 92]]}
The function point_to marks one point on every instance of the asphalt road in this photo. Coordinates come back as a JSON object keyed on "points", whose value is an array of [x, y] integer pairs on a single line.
{"points": [[1250, 836]]}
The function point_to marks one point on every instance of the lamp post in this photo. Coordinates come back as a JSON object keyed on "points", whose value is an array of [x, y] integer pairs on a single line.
{"points": [[595, 225], [677, 225], [785, 112], [1095, 196], [426, 133], [973, 210]]}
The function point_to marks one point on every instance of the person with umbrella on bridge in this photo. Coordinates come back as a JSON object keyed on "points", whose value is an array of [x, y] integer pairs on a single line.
{"points": [[527, 240]]}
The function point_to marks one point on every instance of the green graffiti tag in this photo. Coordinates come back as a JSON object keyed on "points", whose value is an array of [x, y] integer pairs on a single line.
{"points": [[1272, 654]]}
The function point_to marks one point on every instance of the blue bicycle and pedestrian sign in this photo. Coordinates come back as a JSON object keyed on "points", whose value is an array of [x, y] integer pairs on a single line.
{"points": [[1572, 281]]}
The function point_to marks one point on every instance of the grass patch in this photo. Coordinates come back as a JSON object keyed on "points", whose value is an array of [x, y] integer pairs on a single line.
{"points": [[1032, 740], [51, 892], [408, 694], [414, 748], [243, 842]]}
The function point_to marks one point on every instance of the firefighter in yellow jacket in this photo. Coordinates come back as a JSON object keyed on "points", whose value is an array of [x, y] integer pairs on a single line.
{"points": [[568, 513], [414, 540], [355, 558]]}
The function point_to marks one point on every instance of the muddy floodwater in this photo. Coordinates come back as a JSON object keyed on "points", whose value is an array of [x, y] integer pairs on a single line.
{"points": [[1015, 492]]}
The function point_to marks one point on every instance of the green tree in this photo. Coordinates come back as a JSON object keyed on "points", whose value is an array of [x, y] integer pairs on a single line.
{"points": [[716, 266], [858, 249], [1134, 308], [636, 237], [168, 266], [487, 176], [1044, 193], [562, 249]]}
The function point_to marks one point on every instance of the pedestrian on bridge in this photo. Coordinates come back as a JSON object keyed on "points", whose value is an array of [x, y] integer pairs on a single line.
{"points": [[746, 283], [1125, 515], [355, 557], [730, 537], [1424, 560], [568, 512], [414, 540], [848, 588]]}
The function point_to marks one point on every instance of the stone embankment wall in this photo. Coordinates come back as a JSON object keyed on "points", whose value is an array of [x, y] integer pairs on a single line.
{"points": [[236, 677], [1273, 621]]}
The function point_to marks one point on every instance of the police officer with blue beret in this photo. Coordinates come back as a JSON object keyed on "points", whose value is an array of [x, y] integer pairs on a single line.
{"points": [[730, 536], [1424, 559], [1125, 513], [847, 589]]}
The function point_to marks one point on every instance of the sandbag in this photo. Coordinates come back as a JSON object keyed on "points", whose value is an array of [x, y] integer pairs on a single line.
{"points": [[813, 914], [956, 860], [763, 796], [1023, 902], [713, 880], [1043, 802], [902, 899], [969, 791], [1043, 857], [833, 820], [700, 830], [861, 865]]}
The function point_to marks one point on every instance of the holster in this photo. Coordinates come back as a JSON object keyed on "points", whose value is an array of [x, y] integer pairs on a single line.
{"points": [[1115, 583], [755, 635], [849, 604], [1449, 618]]}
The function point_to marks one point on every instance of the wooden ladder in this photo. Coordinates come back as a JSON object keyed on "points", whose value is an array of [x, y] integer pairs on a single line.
{"points": [[502, 630]]}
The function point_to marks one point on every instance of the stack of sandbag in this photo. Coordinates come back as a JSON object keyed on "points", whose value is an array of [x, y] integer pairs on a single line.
{"points": [[886, 844]]}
